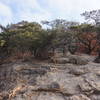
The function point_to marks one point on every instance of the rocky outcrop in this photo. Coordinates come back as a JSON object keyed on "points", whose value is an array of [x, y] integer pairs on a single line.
{"points": [[73, 59], [78, 60], [29, 81]]}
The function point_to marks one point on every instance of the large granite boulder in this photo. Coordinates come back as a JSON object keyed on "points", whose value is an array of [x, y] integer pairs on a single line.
{"points": [[78, 60], [73, 59]]}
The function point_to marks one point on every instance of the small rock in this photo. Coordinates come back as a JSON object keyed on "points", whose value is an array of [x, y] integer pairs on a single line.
{"points": [[54, 85], [79, 97], [77, 71]]}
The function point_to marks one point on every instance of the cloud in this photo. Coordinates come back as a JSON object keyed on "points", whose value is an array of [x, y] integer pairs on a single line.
{"points": [[31, 10], [70, 9], [37, 10], [30, 16], [5, 14]]}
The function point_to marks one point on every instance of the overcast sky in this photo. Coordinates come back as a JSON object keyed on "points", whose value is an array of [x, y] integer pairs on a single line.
{"points": [[12, 11]]}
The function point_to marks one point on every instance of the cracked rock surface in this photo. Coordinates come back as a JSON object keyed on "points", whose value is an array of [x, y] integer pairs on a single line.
{"points": [[29, 81]]}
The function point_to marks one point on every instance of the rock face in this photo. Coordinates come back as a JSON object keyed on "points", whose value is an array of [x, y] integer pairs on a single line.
{"points": [[29, 81]]}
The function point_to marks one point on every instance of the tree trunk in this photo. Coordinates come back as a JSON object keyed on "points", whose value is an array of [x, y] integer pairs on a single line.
{"points": [[99, 54]]}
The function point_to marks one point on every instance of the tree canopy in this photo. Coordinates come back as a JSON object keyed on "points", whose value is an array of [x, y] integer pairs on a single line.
{"points": [[67, 35]]}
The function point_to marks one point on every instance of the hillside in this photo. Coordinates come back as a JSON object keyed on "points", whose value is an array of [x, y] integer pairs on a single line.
{"points": [[53, 59]]}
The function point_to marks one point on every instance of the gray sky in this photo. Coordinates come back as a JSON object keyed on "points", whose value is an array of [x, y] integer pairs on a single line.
{"points": [[12, 11]]}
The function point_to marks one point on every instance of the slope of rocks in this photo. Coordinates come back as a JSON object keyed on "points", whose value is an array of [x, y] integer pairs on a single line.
{"points": [[48, 81]]}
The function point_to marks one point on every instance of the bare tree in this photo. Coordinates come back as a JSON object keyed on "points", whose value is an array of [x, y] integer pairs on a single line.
{"points": [[93, 15]]}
